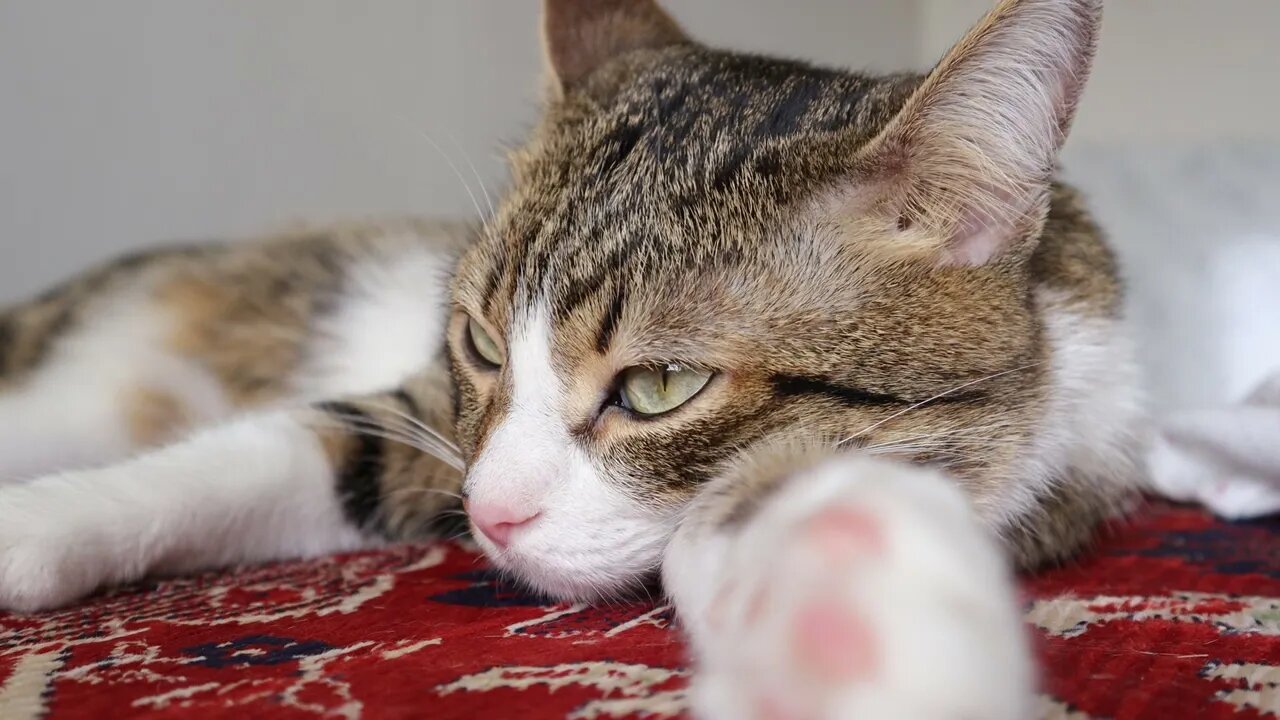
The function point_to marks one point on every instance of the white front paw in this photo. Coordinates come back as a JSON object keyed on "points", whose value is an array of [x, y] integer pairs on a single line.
{"points": [[50, 554], [861, 589]]}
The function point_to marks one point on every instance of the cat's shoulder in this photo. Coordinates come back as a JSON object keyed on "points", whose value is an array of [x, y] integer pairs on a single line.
{"points": [[1073, 257]]}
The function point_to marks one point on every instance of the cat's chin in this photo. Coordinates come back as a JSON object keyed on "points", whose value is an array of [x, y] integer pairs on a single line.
{"points": [[572, 584], [570, 590]]}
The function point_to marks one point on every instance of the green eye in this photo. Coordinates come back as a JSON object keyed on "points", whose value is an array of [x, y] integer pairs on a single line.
{"points": [[656, 390], [483, 344]]}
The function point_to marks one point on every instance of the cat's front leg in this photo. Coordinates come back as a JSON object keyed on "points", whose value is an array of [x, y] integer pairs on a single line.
{"points": [[272, 486], [846, 587]]}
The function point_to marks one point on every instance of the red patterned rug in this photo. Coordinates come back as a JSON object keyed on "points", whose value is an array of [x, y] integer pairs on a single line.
{"points": [[1173, 616]]}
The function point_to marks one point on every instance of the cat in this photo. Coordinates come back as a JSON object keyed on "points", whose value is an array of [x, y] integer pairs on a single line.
{"points": [[828, 352]]}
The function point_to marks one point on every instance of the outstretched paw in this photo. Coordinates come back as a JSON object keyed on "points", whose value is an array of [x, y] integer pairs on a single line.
{"points": [[861, 589], [50, 551]]}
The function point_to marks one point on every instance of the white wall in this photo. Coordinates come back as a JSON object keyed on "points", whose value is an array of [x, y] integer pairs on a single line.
{"points": [[132, 122], [135, 121]]}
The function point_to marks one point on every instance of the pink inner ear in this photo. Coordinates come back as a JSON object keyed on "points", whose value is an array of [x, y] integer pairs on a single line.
{"points": [[981, 237], [983, 131], [977, 242]]}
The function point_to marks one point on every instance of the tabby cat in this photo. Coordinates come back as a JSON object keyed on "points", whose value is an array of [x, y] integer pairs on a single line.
{"points": [[811, 345]]}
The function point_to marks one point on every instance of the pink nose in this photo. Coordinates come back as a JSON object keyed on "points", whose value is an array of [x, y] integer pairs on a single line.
{"points": [[498, 522]]}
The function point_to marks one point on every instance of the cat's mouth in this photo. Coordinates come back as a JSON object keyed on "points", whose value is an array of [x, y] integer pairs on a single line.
{"points": [[572, 566], [564, 588]]}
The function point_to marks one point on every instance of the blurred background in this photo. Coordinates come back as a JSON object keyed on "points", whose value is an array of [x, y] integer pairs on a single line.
{"points": [[135, 122]]}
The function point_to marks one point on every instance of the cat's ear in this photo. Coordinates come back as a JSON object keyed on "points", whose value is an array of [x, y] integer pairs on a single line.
{"points": [[579, 36], [965, 167]]}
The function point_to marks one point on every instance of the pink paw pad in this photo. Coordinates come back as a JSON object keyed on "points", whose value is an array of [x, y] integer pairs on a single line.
{"points": [[846, 534], [770, 708], [834, 642]]}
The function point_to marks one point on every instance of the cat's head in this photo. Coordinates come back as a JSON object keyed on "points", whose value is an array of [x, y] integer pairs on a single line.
{"points": [[703, 251]]}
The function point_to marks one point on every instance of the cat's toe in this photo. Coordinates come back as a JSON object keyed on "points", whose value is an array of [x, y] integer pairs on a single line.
{"points": [[34, 578], [865, 589], [44, 562]]}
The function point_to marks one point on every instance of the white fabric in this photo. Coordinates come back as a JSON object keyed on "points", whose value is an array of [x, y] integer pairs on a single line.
{"points": [[1225, 458]]}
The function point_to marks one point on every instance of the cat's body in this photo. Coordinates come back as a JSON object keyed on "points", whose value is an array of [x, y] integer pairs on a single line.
{"points": [[793, 266]]}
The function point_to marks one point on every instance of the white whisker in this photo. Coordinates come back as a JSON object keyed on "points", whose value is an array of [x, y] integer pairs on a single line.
{"points": [[449, 160], [370, 428], [399, 492], [940, 395], [488, 199], [416, 423], [409, 427]]}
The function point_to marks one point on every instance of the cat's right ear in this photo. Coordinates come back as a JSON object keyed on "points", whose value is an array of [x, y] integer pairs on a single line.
{"points": [[964, 169], [580, 36]]}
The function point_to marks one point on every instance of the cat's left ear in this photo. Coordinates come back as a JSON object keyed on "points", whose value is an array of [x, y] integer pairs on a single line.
{"points": [[580, 36], [963, 172]]}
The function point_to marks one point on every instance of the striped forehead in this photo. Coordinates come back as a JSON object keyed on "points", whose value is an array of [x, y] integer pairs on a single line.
{"points": [[685, 150], [658, 176]]}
